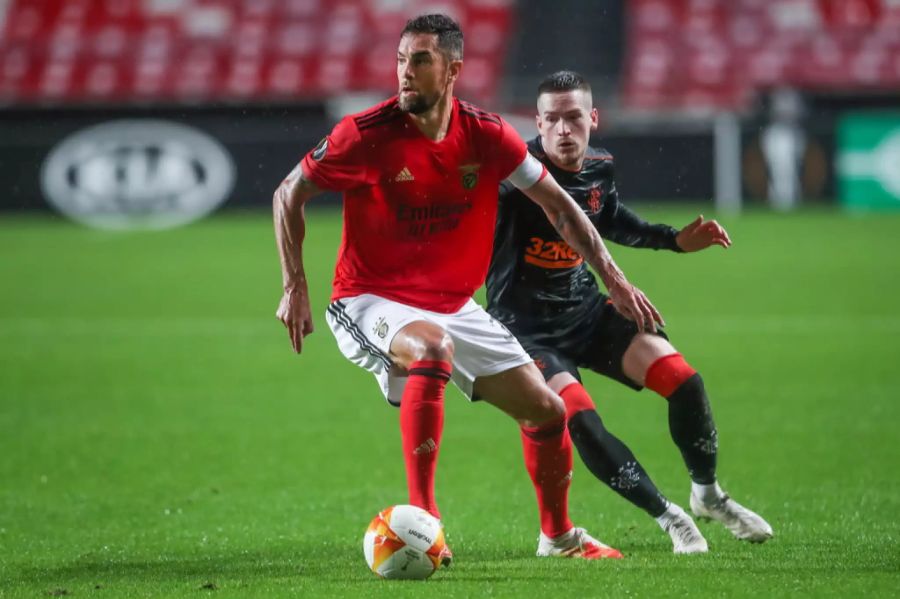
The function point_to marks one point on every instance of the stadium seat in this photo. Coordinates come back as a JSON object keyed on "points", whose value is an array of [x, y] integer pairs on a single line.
{"points": [[710, 54], [239, 50]]}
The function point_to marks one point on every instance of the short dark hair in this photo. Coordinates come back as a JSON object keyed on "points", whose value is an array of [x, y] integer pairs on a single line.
{"points": [[563, 81], [449, 35]]}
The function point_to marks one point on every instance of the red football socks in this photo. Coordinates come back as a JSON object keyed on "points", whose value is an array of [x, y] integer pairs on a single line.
{"points": [[666, 374], [548, 458], [421, 423], [577, 399]]}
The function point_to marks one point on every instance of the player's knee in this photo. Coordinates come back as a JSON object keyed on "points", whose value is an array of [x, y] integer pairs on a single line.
{"points": [[642, 352], [546, 407], [422, 341], [437, 346]]}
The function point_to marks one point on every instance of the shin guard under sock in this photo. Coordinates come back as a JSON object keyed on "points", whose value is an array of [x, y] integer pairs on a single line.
{"points": [[548, 458], [610, 460], [690, 416], [421, 424]]}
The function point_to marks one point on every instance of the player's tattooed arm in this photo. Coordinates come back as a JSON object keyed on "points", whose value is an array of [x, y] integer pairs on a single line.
{"points": [[585, 239], [290, 230], [573, 226]]}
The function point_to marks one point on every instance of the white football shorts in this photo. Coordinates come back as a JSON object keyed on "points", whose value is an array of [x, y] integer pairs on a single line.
{"points": [[365, 325]]}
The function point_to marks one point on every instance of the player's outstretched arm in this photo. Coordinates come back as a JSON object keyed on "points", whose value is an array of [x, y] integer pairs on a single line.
{"points": [[701, 234], [290, 229], [579, 233]]}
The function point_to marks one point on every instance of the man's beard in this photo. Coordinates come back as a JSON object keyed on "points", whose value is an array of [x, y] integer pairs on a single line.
{"points": [[566, 158], [417, 104]]}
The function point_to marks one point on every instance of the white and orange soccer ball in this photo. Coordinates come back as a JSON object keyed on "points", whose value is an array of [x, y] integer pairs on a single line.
{"points": [[404, 541]]}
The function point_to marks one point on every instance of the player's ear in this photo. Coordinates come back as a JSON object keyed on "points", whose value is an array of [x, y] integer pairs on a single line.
{"points": [[453, 70], [537, 121], [595, 119]]}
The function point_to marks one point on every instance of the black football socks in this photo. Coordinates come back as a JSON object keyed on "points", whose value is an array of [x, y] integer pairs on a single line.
{"points": [[613, 463], [693, 430]]}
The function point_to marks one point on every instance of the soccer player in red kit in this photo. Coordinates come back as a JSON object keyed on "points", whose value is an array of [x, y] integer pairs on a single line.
{"points": [[419, 173]]}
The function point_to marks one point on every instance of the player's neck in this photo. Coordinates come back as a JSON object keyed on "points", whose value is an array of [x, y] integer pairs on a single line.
{"points": [[435, 122]]}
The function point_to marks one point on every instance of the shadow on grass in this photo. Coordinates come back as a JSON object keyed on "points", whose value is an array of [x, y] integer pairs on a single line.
{"points": [[330, 566], [341, 565], [175, 569]]}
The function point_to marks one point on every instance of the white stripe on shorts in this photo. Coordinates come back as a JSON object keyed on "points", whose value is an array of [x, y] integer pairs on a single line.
{"points": [[339, 313]]}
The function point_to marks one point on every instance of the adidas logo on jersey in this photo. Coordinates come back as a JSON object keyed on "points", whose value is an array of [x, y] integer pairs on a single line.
{"points": [[426, 447], [404, 175]]}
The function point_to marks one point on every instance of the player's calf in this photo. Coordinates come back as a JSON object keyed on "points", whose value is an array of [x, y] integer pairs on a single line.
{"points": [[421, 427], [610, 460], [691, 422], [548, 458]]}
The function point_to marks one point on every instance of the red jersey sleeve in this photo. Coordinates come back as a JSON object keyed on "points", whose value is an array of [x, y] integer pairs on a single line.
{"points": [[511, 150], [337, 163]]}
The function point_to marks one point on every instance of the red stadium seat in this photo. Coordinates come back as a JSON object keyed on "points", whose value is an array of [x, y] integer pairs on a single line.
{"points": [[716, 53], [244, 50]]}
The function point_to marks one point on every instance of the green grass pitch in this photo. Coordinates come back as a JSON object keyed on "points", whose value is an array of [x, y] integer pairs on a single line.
{"points": [[159, 438]]}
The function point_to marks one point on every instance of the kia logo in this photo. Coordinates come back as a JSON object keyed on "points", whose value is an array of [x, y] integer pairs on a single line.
{"points": [[137, 174]]}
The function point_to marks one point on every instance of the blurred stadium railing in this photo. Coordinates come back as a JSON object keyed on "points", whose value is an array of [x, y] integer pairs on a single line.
{"points": [[779, 101]]}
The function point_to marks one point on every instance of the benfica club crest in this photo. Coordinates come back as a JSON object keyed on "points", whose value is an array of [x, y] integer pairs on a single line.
{"points": [[469, 173], [381, 328]]}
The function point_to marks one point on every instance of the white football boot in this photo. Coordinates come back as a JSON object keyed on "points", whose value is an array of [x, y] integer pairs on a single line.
{"points": [[685, 535], [575, 543], [744, 524]]}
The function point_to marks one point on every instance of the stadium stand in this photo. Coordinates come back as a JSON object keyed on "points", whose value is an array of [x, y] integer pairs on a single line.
{"points": [[147, 51], [709, 54]]}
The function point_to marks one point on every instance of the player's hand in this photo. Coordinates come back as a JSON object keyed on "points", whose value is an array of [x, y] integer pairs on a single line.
{"points": [[293, 311], [701, 234], [634, 305]]}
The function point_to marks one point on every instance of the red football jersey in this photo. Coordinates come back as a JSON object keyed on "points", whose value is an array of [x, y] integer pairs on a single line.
{"points": [[419, 215]]}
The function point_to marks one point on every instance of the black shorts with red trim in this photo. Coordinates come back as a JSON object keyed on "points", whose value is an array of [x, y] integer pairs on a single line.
{"points": [[593, 336]]}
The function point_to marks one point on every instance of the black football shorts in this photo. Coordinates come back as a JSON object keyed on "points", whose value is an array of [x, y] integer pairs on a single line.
{"points": [[595, 339]]}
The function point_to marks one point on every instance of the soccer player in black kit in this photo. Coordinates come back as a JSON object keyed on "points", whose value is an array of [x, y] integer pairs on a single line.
{"points": [[541, 289]]}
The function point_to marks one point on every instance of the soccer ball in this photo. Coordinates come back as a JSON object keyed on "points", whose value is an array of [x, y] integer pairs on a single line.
{"points": [[404, 541]]}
